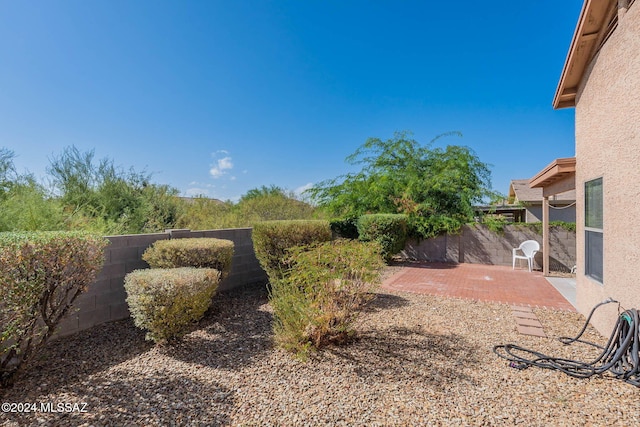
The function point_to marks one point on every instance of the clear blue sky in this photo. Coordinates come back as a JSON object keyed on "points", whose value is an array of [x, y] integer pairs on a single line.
{"points": [[218, 97]]}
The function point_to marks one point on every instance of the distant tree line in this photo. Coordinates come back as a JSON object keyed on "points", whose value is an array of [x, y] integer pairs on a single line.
{"points": [[436, 188], [82, 193]]}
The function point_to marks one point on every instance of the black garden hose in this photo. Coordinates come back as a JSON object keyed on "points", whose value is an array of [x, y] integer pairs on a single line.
{"points": [[620, 356]]}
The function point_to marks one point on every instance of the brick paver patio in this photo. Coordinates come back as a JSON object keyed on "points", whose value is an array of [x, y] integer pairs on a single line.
{"points": [[479, 282]]}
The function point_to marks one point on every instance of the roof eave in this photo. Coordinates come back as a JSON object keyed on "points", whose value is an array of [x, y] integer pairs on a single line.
{"points": [[595, 17], [555, 171]]}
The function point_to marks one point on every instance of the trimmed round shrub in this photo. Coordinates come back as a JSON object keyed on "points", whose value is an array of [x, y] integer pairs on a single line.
{"points": [[272, 239], [389, 230], [193, 252], [166, 302], [41, 275]]}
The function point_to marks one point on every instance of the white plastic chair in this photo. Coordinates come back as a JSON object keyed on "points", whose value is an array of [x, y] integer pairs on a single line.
{"points": [[529, 249]]}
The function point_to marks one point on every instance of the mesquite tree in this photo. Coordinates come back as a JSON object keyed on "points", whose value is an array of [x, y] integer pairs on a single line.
{"points": [[436, 187]]}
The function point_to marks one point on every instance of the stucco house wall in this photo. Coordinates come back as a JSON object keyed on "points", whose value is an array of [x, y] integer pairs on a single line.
{"points": [[607, 120]]}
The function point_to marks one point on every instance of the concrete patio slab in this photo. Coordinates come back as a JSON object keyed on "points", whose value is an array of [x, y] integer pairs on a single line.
{"points": [[479, 282], [566, 286]]}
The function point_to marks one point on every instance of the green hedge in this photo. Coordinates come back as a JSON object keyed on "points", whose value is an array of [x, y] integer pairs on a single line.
{"points": [[272, 240], [166, 302], [346, 228], [41, 275], [195, 252], [320, 297], [389, 230]]}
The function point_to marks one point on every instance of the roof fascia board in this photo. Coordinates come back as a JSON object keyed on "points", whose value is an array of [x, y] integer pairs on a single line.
{"points": [[583, 46], [553, 170]]}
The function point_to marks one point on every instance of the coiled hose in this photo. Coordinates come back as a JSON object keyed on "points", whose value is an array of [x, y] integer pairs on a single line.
{"points": [[620, 356]]}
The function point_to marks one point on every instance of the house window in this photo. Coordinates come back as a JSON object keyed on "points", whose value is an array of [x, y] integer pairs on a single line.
{"points": [[593, 225]]}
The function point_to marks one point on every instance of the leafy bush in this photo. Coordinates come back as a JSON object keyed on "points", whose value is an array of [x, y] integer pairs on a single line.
{"points": [[201, 213], [426, 226], [166, 302], [271, 239], [568, 226], [272, 204], [495, 223], [258, 204], [389, 230], [195, 252], [25, 207], [41, 275], [346, 228], [318, 300], [537, 226]]}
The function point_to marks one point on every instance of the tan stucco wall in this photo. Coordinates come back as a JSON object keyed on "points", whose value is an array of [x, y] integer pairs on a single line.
{"points": [[608, 146]]}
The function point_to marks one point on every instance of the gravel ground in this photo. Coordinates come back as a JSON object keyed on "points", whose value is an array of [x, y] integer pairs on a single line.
{"points": [[419, 360]]}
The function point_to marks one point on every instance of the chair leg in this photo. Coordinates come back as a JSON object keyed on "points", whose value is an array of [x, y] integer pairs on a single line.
{"points": [[514, 264]]}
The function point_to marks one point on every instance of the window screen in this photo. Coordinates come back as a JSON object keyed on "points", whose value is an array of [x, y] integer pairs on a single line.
{"points": [[593, 224]]}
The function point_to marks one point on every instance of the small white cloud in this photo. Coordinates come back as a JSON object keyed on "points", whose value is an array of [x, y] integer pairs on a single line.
{"points": [[232, 178], [300, 190], [221, 166], [225, 163], [215, 172]]}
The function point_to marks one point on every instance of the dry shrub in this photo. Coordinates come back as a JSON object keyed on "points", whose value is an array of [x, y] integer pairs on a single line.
{"points": [[41, 275], [319, 299]]}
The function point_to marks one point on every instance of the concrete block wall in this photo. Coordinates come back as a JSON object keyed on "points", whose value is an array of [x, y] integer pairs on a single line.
{"points": [[105, 299], [476, 244]]}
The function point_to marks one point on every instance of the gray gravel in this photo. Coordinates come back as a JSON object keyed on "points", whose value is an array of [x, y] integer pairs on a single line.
{"points": [[419, 360]]}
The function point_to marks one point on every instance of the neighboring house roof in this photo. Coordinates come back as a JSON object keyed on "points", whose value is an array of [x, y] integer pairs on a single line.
{"points": [[597, 21], [520, 191]]}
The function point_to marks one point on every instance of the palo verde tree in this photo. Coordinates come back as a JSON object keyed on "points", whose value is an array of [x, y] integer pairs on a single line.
{"points": [[104, 198], [436, 187]]}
